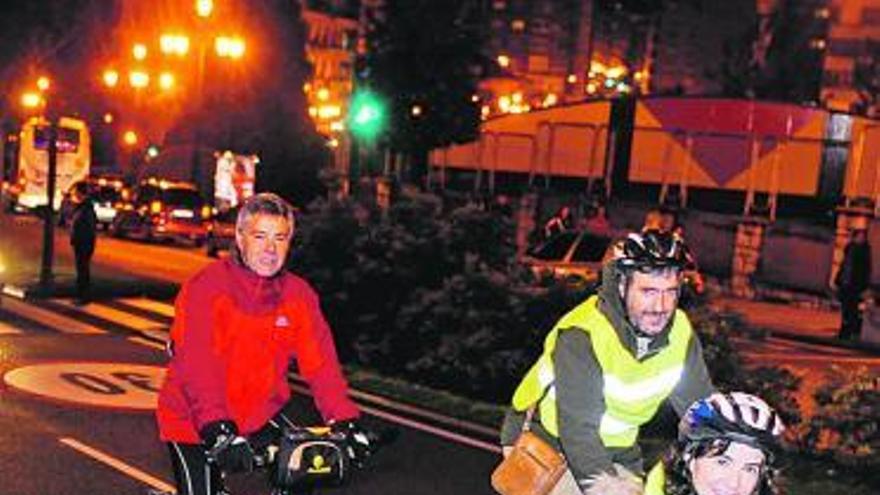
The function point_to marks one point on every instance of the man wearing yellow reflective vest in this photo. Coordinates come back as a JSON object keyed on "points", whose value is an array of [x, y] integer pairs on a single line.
{"points": [[609, 364]]}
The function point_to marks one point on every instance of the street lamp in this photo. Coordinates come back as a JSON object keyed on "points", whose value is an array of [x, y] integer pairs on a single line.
{"points": [[229, 46], [166, 81], [111, 78], [138, 79], [139, 51], [130, 137], [204, 8], [31, 101], [43, 83], [174, 44]]}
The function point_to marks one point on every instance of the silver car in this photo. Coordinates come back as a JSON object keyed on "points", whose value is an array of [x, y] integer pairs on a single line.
{"points": [[572, 256]]}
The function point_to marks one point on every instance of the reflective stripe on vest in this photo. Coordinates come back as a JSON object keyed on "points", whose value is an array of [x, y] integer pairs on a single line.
{"points": [[655, 482], [633, 390]]}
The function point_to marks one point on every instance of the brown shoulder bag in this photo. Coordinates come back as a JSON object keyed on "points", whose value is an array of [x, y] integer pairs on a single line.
{"points": [[532, 468]]}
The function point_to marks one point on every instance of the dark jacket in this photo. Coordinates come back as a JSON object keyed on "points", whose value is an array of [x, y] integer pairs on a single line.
{"points": [[854, 274], [83, 226]]}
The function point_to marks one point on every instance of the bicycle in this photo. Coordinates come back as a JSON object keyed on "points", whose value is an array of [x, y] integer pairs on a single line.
{"points": [[309, 458]]}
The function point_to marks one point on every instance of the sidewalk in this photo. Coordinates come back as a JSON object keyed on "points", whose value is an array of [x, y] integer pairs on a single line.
{"points": [[817, 326]]}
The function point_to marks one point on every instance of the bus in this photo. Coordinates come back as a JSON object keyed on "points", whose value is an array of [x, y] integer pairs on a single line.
{"points": [[73, 161]]}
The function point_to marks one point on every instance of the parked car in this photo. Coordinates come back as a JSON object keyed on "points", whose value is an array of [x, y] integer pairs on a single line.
{"points": [[572, 256], [164, 210], [221, 231], [108, 195]]}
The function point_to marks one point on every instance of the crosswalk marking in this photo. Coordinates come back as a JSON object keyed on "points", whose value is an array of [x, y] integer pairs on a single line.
{"points": [[147, 343], [112, 314], [50, 319], [7, 329], [150, 305]]}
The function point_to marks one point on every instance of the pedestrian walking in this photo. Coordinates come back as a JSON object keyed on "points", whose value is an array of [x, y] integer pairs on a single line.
{"points": [[852, 280], [83, 228]]}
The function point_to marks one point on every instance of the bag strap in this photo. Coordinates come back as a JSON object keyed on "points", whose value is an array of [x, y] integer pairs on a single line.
{"points": [[527, 424]]}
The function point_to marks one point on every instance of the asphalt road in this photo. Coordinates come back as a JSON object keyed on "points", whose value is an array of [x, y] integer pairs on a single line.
{"points": [[77, 412], [48, 440]]}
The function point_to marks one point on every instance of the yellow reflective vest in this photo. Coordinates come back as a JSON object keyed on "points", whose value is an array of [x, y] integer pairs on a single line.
{"points": [[655, 483], [633, 390]]}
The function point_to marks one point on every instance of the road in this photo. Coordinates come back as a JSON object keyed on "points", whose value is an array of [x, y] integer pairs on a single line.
{"points": [[79, 389]]}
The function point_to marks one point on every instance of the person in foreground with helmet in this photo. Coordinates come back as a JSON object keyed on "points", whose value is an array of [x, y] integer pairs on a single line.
{"points": [[609, 364], [728, 444], [238, 324]]}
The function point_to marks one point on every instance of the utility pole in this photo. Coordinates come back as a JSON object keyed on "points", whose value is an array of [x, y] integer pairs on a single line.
{"points": [[49, 213]]}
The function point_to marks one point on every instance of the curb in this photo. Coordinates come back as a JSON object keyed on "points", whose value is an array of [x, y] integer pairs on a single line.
{"points": [[862, 346]]}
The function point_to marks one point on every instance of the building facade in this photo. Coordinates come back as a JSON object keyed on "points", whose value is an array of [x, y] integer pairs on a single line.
{"points": [[851, 69], [331, 43]]}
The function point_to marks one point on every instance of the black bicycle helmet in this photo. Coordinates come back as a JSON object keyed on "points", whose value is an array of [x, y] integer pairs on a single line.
{"points": [[649, 250], [735, 416]]}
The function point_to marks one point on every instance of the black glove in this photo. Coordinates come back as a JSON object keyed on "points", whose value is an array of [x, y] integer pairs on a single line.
{"points": [[270, 433], [360, 440], [228, 450]]}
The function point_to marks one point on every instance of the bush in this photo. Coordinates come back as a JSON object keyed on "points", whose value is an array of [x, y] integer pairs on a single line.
{"points": [[846, 425], [432, 292], [775, 385]]}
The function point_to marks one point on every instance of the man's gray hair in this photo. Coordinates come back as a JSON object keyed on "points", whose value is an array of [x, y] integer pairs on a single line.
{"points": [[264, 203]]}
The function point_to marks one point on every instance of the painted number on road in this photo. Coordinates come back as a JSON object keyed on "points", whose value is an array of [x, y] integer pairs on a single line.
{"points": [[117, 385]]}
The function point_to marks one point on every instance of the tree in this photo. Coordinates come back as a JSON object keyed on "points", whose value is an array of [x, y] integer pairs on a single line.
{"points": [[866, 79], [60, 40], [425, 59], [777, 59]]}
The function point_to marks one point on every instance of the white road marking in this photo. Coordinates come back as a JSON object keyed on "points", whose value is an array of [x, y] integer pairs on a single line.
{"points": [[7, 329], [130, 471], [148, 343], [416, 425], [112, 314], [51, 319], [150, 305], [789, 357]]}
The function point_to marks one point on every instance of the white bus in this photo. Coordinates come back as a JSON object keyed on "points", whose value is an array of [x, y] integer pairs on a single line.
{"points": [[73, 159]]}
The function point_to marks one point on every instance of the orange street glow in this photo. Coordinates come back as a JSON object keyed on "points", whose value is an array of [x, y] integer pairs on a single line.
{"points": [[130, 138], [111, 77], [138, 79]]}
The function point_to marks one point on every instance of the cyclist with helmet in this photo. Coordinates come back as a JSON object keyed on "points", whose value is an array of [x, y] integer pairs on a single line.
{"points": [[609, 364], [727, 445]]}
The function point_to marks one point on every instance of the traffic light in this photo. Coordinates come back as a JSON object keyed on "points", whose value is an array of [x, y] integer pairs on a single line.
{"points": [[366, 117]]}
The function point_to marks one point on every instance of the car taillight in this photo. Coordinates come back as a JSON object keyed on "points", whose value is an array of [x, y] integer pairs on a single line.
{"points": [[206, 212], [156, 207]]}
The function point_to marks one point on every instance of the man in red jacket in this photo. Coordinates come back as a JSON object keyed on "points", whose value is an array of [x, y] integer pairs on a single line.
{"points": [[238, 324]]}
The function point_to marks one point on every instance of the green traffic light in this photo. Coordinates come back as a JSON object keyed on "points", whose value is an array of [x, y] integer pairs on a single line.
{"points": [[367, 115]]}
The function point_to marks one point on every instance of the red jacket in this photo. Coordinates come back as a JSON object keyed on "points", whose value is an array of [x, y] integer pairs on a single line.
{"points": [[234, 334]]}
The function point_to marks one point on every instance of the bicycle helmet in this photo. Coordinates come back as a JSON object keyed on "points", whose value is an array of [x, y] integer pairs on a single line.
{"points": [[736, 416], [649, 250]]}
